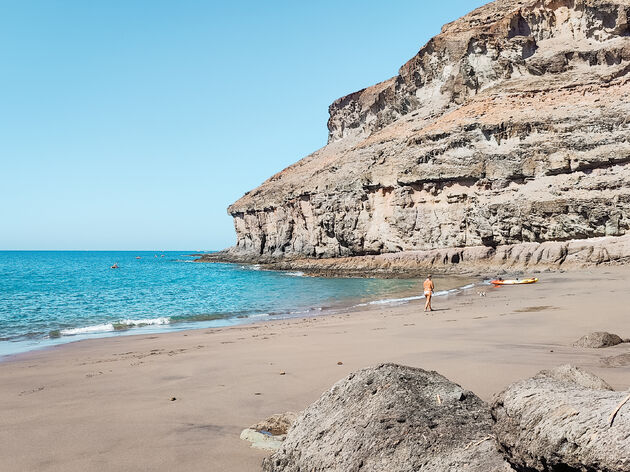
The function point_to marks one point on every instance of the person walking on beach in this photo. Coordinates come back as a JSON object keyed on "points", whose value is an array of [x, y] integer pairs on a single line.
{"points": [[428, 292]]}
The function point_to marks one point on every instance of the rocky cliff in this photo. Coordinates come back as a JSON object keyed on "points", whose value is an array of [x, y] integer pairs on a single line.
{"points": [[511, 126]]}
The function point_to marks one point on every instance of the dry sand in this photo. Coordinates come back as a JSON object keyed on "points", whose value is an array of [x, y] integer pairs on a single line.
{"points": [[105, 404]]}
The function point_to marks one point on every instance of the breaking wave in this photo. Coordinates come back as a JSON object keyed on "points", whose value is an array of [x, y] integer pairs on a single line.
{"points": [[105, 327]]}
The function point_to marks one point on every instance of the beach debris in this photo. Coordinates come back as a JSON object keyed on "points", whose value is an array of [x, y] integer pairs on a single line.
{"points": [[598, 339], [476, 443], [269, 434], [549, 422], [257, 393], [386, 418], [339, 363], [283, 373], [173, 399], [277, 424], [613, 415]]}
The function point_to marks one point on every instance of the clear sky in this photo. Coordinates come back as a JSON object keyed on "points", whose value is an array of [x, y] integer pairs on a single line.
{"points": [[133, 124]]}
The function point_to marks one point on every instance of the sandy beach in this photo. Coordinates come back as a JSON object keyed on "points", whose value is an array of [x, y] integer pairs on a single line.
{"points": [[178, 401]]}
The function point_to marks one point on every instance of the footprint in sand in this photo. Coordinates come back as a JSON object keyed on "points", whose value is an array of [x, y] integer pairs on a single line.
{"points": [[31, 391], [621, 360], [535, 309]]}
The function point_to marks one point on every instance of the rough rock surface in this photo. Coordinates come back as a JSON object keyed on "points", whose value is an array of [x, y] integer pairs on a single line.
{"points": [[547, 255], [551, 423], [569, 373], [391, 418], [598, 339], [511, 126]]}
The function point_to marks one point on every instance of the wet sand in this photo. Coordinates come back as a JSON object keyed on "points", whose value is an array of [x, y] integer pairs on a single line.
{"points": [[107, 404]]}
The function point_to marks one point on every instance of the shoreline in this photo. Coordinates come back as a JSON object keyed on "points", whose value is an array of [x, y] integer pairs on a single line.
{"points": [[107, 402], [165, 325]]}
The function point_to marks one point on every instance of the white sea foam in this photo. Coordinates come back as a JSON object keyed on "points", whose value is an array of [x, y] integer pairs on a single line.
{"points": [[387, 301], [103, 328], [145, 322], [397, 301], [295, 274]]}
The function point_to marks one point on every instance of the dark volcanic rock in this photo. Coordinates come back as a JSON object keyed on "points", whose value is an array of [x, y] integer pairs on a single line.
{"points": [[598, 339], [391, 418], [555, 422]]}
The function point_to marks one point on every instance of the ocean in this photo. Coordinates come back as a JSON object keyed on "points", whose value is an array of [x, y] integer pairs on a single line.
{"points": [[53, 297]]}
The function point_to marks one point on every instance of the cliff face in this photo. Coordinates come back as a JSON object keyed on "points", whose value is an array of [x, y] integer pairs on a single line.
{"points": [[510, 126]]}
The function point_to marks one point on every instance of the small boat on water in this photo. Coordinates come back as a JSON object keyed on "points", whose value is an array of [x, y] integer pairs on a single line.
{"points": [[531, 280], [115, 266]]}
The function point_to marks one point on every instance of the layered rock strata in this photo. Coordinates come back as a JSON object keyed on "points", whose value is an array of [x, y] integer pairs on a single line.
{"points": [[511, 126], [550, 255]]}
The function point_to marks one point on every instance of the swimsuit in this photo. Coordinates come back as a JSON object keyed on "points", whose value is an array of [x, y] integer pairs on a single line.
{"points": [[428, 288]]}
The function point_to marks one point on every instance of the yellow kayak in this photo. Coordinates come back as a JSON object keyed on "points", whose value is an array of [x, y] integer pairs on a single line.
{"points": [[531, 280]]}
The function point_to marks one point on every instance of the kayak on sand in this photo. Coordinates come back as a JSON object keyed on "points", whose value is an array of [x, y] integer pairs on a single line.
{"points": [[531, 280]]}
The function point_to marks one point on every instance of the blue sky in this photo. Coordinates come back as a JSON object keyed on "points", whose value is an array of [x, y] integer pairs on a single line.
{"points": [[134, 124]]}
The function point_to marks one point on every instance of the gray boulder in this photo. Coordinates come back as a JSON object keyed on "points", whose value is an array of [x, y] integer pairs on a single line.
{"points": [[598, 339], [391, 418], [557, 421]]}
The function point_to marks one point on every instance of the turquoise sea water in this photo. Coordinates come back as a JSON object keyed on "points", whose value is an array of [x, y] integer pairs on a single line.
{"points": [[52, 297]]}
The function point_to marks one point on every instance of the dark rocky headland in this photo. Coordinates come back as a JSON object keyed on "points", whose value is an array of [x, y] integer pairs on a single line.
{"points": [[504, 143]]}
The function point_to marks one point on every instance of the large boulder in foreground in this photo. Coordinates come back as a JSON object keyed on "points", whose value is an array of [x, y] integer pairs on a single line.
{"points": [[558, 421], [391, 418]]}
